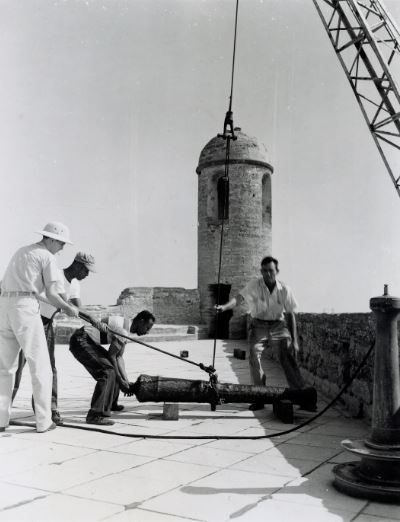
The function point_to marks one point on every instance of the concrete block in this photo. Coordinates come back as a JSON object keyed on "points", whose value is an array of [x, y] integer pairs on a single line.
{"points": [[170, 411], [283, 410]]}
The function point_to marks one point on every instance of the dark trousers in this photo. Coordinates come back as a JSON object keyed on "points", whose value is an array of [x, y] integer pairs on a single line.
{"points": [[50, 338], [264, 334], [96, 361]]}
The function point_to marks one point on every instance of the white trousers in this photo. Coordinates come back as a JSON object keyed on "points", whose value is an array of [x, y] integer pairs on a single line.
{"points": [[21, 327]]}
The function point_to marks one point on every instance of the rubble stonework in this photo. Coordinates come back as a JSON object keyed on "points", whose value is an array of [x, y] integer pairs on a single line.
{"points": [[170, 305], [331, 348]]}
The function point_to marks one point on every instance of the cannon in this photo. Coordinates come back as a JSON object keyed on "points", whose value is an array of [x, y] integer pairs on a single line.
{"points": [[150, 388]]}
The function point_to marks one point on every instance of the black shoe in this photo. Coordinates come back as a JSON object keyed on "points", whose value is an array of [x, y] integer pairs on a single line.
{"points": [[99, 420], [117, 407], [56, 418], [256, 406]]}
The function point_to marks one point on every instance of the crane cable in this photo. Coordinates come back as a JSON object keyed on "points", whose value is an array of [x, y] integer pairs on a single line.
{"points": [[228, 136]]}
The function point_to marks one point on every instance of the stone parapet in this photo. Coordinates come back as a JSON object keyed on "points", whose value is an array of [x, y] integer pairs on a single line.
{"points": [[331, 348], [170, 305]]}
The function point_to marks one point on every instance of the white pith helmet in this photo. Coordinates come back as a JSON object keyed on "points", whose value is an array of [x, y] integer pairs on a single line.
{"points": [[56, 230]]}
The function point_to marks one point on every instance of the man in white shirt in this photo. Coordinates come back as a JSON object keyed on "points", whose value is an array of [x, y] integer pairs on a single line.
{"points": [[269, 301], [69, 288], [32, 270]]}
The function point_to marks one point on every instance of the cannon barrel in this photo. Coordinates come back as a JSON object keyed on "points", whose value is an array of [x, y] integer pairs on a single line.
{"points": [[150, 388]]}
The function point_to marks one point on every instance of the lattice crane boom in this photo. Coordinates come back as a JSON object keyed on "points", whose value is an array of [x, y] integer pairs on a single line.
{"points": [[367, 43]]}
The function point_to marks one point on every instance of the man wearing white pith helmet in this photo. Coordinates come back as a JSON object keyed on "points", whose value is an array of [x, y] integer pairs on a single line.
{"points": [[31, 271], [69, 288]]}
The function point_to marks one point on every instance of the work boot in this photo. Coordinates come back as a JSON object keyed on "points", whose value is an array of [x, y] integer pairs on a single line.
{"points": [[56, 417], [256, 406], [117, 407], [99, 420], [52, 426]]}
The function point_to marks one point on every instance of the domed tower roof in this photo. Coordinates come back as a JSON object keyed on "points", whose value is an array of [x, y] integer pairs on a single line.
{"points": [[245, 149]]}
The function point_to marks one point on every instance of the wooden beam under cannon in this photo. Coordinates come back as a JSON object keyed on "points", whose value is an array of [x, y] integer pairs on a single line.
{"points": [[150, 388]]}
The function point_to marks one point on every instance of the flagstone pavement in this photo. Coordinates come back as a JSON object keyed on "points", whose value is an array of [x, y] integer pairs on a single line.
{"points": [[74, 475]]}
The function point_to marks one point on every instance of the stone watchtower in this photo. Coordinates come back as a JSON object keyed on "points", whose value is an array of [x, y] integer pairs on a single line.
{"points": [[247, 228]]}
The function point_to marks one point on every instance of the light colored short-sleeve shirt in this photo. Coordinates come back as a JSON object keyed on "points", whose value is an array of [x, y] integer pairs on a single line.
{"points": [[70, 290], [265, 305], [31, 269], [117, 323]]}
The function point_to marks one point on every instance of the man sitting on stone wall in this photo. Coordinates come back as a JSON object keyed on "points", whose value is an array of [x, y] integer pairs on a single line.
{"points": [[269, 300], [107, 367]]}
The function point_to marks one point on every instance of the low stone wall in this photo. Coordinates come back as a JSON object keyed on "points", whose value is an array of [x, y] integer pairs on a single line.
{"points": [[331, 348], [170, 305]]}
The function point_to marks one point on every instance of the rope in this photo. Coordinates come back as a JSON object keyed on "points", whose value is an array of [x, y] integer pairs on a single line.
{"points": [[226, 176], [234, 54], [228, 137], [222, 437]]}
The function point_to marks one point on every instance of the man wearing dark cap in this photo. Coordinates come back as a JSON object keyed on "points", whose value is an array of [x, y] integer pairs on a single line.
{"points": [[69, 288]]}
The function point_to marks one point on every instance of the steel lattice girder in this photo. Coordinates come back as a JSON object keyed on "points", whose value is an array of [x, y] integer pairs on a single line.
{"points": [[367, 43]]}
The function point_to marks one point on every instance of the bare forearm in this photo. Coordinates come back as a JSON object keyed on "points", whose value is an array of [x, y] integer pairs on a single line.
{"points": [[292, 326], [231, 303], [121, 367], [56, 300], [116, 368], [76, 302]]}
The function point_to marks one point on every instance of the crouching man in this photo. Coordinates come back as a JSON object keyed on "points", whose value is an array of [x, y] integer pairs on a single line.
{"points": [[107, 366]]}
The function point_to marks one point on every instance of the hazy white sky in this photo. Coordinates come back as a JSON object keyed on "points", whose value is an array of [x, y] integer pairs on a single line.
{"points": [[106, 105]]}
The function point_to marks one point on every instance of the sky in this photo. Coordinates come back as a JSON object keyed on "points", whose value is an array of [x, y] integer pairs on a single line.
{"points": [[106, 105]]}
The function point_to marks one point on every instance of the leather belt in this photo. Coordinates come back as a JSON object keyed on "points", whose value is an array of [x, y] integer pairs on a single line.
{"points": [[17, 294]]}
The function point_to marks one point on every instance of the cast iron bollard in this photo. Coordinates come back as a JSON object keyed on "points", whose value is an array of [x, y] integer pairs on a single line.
{"points": [[377, 475]]}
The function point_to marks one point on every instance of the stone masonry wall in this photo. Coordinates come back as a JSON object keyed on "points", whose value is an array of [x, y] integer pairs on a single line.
{"points": [[169, 305], [331, 348]]}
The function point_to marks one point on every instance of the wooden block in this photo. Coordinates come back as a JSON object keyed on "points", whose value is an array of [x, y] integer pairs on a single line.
{"points": [[283, 410], [239, 354], [171, 411], [184, 354]]}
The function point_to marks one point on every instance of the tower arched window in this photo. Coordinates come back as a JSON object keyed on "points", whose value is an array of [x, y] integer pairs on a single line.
{"points": [[266, 198], [223, 198]]}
